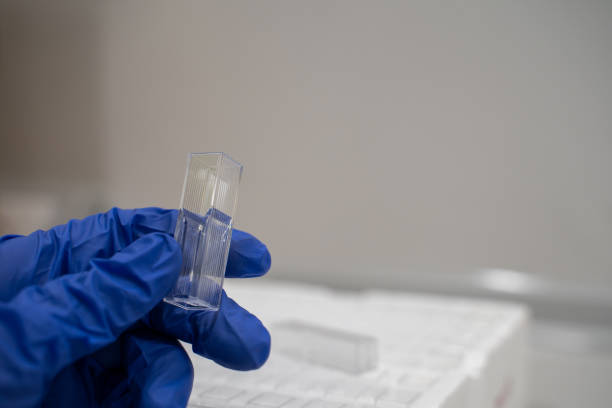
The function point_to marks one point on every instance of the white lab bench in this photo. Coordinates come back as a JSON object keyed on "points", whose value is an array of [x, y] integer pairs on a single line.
{"points": [[433, 351]]}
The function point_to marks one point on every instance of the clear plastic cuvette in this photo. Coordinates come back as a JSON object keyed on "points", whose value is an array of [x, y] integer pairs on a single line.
{"points": [[204, 229], [354, 353]]}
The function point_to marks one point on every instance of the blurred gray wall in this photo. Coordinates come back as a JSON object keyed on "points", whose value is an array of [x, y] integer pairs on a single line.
{"points": [[50, 108], [379, 139]]}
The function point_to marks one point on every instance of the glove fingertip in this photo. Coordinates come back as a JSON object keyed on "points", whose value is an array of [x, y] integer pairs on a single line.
{"points": [[266, 261], [237, 340], [248, 256], [261, 349]]}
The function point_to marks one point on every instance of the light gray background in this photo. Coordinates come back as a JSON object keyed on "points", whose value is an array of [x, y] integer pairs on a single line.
{"points": [[379, 138]]}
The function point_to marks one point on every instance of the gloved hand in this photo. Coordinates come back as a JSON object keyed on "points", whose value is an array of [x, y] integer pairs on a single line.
{"points": [[81, 322]]}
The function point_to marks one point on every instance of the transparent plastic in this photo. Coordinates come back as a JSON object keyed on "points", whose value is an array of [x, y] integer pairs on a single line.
{"points": [[204, 229], [350, 352]]}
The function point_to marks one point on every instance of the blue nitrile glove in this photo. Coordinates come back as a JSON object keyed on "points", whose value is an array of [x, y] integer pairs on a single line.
{"points": [[81, 322]]}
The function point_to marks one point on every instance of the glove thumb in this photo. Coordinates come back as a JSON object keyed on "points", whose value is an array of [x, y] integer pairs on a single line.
{"points": [[45, 328]]}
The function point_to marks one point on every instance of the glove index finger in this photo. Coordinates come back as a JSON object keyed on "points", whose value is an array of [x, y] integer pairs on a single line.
{"points": [[68, 248], [248, 257]]}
